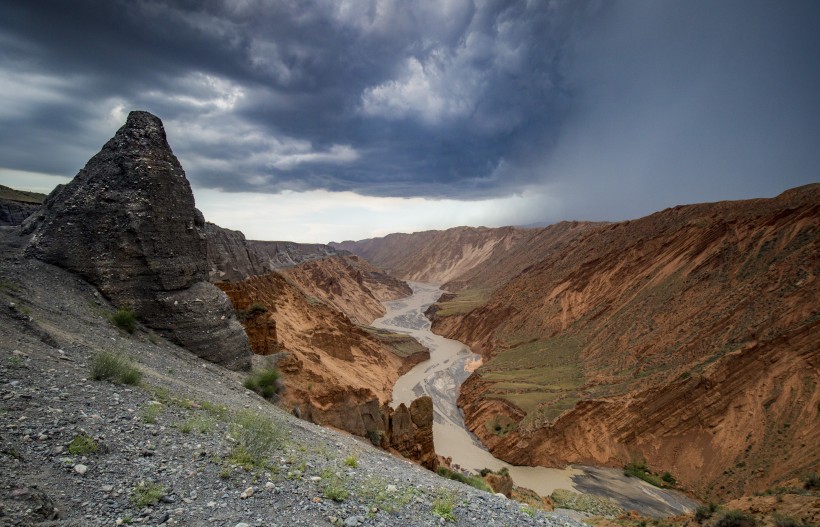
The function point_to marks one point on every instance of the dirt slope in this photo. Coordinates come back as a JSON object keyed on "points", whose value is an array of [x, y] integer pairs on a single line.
{"points": [[687, 338]]}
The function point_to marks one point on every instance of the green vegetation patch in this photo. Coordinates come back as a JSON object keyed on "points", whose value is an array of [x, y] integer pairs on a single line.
{"points": [[114, 367], [638, 469], [387, 496], [541, 377], [147, 493], [335, 488], [473, 481], [202, 424], [566, 499], [463, 302], [263, 382], [735, 518], [255, 438], [125, 319], [443, 506], [252, 311], [152, 411], [82, 445]]}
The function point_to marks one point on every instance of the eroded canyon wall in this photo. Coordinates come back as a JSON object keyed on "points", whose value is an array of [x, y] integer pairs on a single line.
{"points": [[687, 338]]}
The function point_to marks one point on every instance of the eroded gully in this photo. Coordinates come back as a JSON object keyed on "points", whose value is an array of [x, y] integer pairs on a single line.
{"points": [[440, 377]]}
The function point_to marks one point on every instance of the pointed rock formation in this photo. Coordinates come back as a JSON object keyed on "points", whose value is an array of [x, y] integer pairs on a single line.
{"points": [[127, 224]]}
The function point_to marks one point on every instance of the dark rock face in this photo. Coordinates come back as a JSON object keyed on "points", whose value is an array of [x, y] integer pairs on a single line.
{"points": [[229, 257], [17, 205], [232, 258], [278, 255], [127, 224], [411, 432], [14, 212]]}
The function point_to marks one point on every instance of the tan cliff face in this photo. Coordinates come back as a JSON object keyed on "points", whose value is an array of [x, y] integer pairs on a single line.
{"points": [[337, 373], [349, 283], [328, 355], [436, 256], [687, 338]]}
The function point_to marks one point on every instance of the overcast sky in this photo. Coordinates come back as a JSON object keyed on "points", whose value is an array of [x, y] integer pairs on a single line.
{"points": [[345, 119]]}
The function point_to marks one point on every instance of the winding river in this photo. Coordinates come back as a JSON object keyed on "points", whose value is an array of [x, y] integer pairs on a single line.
{"points": [[451, 362]]}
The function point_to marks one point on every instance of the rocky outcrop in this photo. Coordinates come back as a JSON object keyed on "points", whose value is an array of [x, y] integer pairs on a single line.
{"points": [[127, 224], [500, 483], [232, 258], [229, 257], [410, 432], [687, 338], [278, 255], [16, 205], [14, 213]]}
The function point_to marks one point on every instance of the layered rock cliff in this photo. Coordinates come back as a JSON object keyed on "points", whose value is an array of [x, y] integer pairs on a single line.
{"points": [[127, 224], [687, 338], [229, 257], [232, 258], [281, 254], [349, 283]]}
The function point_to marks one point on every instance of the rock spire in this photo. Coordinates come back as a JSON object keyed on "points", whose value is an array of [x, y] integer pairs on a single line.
{"points": [[127, 224]]}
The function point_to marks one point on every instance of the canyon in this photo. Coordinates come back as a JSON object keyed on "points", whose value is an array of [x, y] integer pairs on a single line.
{"points": [[686, 339]]}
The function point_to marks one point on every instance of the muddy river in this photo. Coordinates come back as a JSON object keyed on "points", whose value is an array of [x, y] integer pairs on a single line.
{"points": [[440, 377]]}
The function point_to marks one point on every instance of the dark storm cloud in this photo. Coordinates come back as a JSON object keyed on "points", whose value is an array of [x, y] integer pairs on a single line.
{"points": [[592, 102]]}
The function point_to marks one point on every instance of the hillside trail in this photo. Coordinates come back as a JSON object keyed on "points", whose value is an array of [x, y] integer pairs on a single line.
{"points": [[440, 377]]}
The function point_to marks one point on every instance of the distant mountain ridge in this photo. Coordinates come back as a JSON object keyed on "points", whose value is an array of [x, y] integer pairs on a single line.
{"points": [[453, 255]]}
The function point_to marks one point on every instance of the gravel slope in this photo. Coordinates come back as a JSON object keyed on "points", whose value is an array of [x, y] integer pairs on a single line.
{"points": [[174, 431]]}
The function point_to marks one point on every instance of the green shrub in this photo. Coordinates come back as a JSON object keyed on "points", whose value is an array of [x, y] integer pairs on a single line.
{"points": [[334, 489], [81, 445], [735, 518], [443, 507], [785, 521], [220, 411], [375, 437], [704, 512], [152, 411], [252, 311], [145, 494], [351, 461], [201, 424], [473, 481], [256, 437], [110, 366], [638, 469], [263, 382], [125, 319]]}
